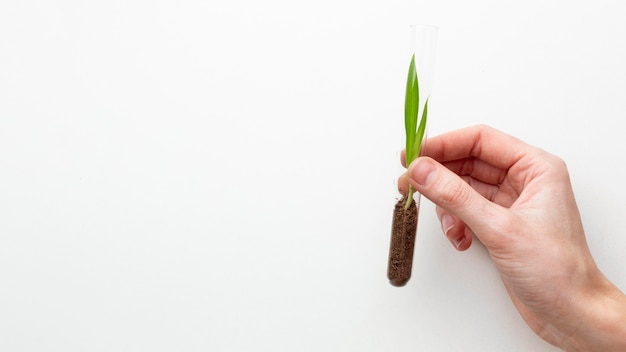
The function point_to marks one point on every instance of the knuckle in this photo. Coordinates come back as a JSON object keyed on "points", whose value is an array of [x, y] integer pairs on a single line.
{"points": [[557, 167], [560, 165]]}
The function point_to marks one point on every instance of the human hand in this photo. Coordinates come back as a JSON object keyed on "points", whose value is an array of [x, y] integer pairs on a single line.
{"points": [[518, 201]]}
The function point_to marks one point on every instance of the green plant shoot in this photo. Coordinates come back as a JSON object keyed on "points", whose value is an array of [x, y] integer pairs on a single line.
{"points": [[414, 132]]}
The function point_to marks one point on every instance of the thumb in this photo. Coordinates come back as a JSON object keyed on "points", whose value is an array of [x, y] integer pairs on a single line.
{"points": [[447, 190]]}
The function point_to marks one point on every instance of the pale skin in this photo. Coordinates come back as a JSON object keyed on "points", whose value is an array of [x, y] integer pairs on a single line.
{"points": [[518, 201]]}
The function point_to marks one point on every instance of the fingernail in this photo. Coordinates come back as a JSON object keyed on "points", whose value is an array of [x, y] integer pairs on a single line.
{"points": [[447, 223], [458, 242], [422, 172]]}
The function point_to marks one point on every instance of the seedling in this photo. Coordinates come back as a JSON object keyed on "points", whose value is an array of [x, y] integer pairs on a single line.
{"points": [[405, 214], [414, 133]]}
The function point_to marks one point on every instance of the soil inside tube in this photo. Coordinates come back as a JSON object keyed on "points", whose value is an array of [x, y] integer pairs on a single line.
{"points": [[403, 229]]}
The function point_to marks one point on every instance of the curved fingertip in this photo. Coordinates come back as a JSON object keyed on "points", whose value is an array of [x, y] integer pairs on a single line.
{"points": [[455, 230], [403, 157], [403, 184], [448, 222], [462, 243]]}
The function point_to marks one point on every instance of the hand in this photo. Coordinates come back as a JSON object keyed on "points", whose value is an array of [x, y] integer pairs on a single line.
{"points": [[518, 201]]}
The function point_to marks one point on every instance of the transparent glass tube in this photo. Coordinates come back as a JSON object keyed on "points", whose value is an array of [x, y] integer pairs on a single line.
{"points": [[406, 211], [423, 44]]}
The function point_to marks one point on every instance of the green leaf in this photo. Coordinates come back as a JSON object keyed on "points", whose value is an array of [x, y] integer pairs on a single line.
{"points": [[411, 107], [421, 130]]}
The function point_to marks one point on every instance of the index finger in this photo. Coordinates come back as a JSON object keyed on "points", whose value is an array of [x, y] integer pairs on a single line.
{"points": [[482, 142]]}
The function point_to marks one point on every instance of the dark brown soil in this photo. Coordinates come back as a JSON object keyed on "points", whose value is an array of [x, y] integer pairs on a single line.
{"points": [[403, 228]]}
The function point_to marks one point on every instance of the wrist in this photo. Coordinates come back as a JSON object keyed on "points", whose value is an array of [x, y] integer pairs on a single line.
{"points": [[600, 320]]}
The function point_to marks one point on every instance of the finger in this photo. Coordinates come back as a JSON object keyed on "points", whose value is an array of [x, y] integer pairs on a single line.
{"points": [[482, 142], [489, 191], [485, 178], [448, 191], [403, 184], [455, 230], [503, 194], [477, 169]]}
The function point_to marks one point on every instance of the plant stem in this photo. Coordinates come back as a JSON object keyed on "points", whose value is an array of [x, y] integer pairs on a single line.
{"points": [[409, 198]]}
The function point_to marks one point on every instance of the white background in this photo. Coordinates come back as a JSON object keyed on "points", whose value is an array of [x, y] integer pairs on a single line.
{"points": [[219, 176]]}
